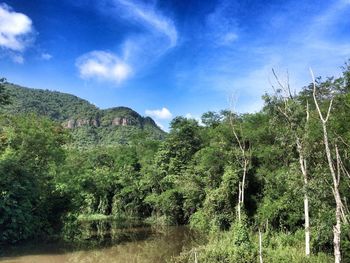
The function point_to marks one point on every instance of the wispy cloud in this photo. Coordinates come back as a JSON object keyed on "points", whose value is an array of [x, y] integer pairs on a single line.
{"points": [[318, 41], [137, 51], [315, 41], [290, 39], [15, 29], [222, 26], [147, 15], [163, 114]]}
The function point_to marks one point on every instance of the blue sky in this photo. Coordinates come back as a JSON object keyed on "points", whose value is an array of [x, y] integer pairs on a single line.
{"points": [[169, 58]]}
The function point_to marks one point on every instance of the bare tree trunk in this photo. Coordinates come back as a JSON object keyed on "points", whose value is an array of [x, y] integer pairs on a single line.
{"points": [[260, 247], [307, 224], [303, 168], [245, 166], [336, 236], [239, 201], [244, 162], [287, 112], [338, 202], [336, 179], [241, 187], [195, 256]]}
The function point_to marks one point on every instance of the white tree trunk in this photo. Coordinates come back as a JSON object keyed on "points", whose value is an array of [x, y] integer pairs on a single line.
{"points": [[338, 202], [300, 140], [239, 201], [307, 225], [303, 168], [260, 247], [241, 187], [245, 165], [335, 176]]}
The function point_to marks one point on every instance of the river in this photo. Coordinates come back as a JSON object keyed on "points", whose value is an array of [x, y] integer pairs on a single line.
{"points": [[130, 245]]}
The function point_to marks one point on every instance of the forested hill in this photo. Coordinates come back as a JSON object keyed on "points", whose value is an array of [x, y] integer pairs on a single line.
{"points": [[88, 124]]}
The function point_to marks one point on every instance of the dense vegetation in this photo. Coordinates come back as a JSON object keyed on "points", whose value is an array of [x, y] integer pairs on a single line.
{"points": [[55, 105], [194, 176]]}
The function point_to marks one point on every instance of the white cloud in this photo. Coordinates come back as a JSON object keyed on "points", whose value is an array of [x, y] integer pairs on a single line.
{"points": [[46, 56], [103, 66], [163, 113], [15, 29]]}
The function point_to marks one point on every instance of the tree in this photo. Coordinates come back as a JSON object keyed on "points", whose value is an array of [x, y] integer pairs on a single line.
{"points": [[4, 97], [289, 107], [30, 152], [172, 159], [244, 159], [334, 170], [211, 118]]}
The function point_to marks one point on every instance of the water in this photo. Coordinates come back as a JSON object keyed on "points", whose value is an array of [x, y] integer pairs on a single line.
{"points": [[132, 245]]}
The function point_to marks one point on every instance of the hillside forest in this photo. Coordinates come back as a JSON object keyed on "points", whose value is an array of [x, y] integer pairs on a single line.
{"points": [[270, 186]]}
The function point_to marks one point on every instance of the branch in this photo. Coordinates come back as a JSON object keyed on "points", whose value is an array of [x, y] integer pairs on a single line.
{"points": [[314, 96], [324, 120], [329, 110], [278, 80], [342, 140], [288, 86]]}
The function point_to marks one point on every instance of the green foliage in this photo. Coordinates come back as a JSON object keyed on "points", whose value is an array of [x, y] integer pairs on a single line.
{"points": [[231, 246], [286, 247], [345, 242], [211, 118], [30, 152], [4, 97], [55, 105], [199, 220], [241, 245]]}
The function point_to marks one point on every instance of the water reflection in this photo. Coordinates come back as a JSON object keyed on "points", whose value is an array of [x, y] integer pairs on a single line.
{"points": [[105, 242]]}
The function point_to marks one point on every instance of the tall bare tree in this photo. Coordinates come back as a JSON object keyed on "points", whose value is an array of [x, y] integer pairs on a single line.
{"points": [[334, 170], [300, 140], [244, 160]]}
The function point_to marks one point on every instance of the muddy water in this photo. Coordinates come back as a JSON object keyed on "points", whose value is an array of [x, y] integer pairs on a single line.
{"points": [[132, 245]]}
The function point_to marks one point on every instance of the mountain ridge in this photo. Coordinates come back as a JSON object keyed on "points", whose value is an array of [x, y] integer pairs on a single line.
{"points": [[87, 122]]}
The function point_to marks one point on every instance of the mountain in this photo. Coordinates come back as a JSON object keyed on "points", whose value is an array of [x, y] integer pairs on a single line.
{"points": [[88, 124]]}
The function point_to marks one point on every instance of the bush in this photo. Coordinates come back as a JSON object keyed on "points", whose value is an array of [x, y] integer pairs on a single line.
{"points": [[225, 247], [199, 220]]}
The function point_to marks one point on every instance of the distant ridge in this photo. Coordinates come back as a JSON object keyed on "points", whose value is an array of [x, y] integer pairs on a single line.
{"points": [[88, 124]]}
